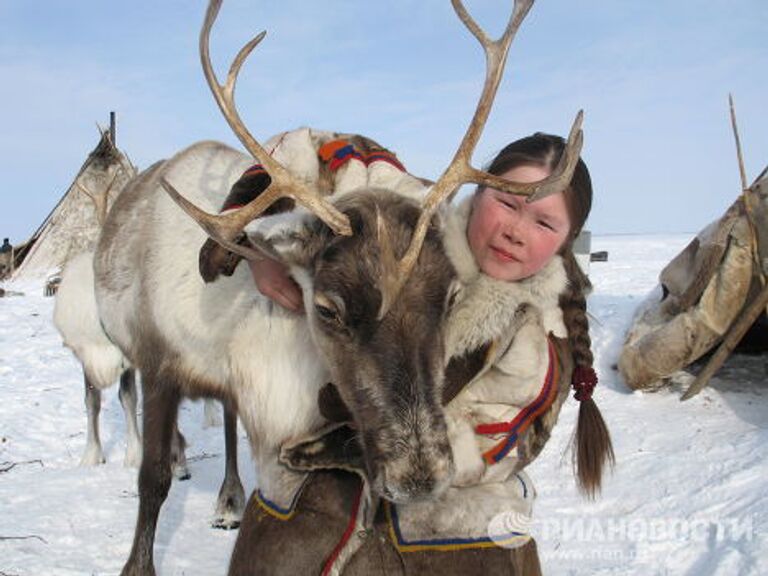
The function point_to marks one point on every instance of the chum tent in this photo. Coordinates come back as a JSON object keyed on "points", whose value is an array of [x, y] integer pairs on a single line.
{"points": [[74, 223], [707, 298]]}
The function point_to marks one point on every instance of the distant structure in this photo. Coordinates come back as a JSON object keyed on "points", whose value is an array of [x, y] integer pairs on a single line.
{"points": [[74, 223]]}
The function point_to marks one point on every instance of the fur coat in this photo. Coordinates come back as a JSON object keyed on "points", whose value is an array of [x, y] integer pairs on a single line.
{"points": [[516, 319]]}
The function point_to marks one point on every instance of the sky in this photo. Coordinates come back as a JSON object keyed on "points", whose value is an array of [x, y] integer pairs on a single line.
{"points": [[652, 77]]}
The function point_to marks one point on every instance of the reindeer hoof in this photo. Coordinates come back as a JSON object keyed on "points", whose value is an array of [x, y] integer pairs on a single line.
{"points": [[225, 524], [181, 473], [230, 507], [92, 458]]}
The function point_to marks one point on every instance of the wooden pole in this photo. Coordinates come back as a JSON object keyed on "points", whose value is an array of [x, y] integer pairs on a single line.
{"points": [[747, 197], [732, 338], [739, 155], [112, 128]]}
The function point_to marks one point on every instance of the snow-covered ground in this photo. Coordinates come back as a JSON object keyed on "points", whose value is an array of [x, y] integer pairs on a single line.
{"points": [[688, 494]]}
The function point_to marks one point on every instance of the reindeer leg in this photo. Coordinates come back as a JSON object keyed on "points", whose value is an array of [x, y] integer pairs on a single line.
{"points": [[211, 416], [178, 455], [231, 502], [93, 454], [161, 408], [128, 399]]}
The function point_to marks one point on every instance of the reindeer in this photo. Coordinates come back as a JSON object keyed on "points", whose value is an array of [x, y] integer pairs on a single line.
{"points": [[376, 285], [77, 320]]}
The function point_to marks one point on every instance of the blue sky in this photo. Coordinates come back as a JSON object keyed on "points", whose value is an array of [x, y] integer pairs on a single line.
{"points": [[652, 77]]}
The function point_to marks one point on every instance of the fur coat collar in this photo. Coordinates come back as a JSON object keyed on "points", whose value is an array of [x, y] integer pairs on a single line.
{"points": [[487, 309]]}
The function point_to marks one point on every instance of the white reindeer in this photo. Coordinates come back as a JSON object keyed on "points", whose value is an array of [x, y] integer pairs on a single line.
{"points": [[76, 318]]}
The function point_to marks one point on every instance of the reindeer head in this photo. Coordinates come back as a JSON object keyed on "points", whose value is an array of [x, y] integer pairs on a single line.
{"points": [[376, 278], [386, 360]]}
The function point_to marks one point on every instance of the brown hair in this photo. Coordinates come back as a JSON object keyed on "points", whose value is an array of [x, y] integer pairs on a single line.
{"points": [[592, 441]]}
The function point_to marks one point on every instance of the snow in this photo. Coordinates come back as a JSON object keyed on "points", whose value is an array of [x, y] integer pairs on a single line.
{"points": [[688, 494]]}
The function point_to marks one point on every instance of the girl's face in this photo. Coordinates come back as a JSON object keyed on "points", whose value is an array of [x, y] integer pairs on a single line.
{"points": [[511, 239]]}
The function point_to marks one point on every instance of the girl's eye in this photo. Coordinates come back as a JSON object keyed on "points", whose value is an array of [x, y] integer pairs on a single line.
{"points": [[547, 225], [511, 204]]}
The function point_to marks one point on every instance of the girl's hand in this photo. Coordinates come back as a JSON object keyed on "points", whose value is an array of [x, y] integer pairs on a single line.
{"points": [[272, 280]]}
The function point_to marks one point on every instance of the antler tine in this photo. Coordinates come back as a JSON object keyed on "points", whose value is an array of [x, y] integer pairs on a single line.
{"points": [[227, 227], [460, 170], [219, 226], [563, 173], [556, 182]]}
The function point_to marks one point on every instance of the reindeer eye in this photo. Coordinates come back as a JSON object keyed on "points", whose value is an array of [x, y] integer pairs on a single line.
{"points": [[453, 296], [327, 314], [329, 309]]}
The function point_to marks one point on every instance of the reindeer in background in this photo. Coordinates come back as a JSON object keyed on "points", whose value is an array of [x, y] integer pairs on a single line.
{"points": [[77, 320]]}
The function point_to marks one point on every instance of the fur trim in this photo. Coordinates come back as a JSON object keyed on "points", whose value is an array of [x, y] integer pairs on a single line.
{"points": [[456, 244], [487, 308], [467, 456], [478, 516]]}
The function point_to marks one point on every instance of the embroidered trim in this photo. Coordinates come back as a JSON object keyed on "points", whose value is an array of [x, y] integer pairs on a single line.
{"points": [[344, 155], [336, 153], [253, 170], [277, 511], [384, 156], [526, 416], [327, 150], [329, 564], [525, 486], [446, 544]]}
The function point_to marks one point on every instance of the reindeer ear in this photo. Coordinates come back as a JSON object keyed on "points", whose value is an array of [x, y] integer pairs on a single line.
{"points": [[290, 237]]}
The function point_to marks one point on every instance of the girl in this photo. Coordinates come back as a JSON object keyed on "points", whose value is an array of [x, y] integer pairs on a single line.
{"points": [[522, 284]]}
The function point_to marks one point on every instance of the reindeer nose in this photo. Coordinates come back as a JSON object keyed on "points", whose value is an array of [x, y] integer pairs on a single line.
{"points": [[424, 481]]}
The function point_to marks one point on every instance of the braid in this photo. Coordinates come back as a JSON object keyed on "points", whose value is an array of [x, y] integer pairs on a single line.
{"points": [[573, 303], [592, 440]]}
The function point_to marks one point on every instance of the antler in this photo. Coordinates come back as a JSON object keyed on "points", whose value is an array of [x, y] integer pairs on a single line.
{"points": [[100, 201], [226, 227], [460, 171]]}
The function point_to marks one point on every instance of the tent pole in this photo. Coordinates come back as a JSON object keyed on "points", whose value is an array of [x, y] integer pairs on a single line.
{"points": [[732, 338], [739, 156], [746, 196]]}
